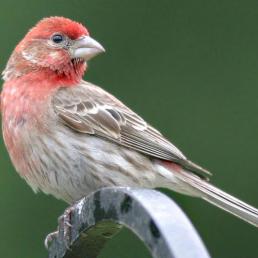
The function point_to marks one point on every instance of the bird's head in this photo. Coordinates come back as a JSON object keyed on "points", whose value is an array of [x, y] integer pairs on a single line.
{"points": [[56, 44]]}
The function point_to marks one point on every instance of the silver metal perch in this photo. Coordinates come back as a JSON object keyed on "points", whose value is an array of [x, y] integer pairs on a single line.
{"points": [[152, 216]]}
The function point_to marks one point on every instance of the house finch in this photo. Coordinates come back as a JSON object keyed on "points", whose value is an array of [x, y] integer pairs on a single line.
{"points": [[68, 137]]}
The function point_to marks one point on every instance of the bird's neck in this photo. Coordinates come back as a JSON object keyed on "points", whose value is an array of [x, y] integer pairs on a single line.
{"points": [[49, 78], [31, 92], [63, 74]]}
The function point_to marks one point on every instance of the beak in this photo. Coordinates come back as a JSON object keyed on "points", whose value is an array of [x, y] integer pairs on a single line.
{"points": [[86, 48]]}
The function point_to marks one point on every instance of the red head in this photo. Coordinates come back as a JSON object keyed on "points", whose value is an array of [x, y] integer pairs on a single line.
{"points": [[55, 45]]}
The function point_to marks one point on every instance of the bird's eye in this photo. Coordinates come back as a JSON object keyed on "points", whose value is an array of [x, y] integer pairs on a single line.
{"points": [[57, 38]]}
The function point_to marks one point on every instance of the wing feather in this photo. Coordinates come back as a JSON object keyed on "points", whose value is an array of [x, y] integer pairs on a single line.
{"points": [[89, 109]]}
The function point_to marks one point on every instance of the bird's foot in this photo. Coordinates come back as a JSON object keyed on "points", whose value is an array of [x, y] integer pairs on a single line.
{"points": [[66, 221]]}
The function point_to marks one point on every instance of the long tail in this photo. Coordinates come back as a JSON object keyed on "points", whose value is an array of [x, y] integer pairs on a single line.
{"points": [[219, 198]]}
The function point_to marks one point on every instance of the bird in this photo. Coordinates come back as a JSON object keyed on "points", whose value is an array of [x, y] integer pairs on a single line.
{"points": [[68, 137]]}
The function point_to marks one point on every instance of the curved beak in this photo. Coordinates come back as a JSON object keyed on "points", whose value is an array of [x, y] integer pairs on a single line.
{"points": [[86, 48]]}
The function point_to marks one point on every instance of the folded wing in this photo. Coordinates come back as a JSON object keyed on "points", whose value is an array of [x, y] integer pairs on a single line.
{"points": [[91, 110]]}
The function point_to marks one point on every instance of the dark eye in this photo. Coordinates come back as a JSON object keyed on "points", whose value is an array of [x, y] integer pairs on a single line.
{"points": [[57, 38]]}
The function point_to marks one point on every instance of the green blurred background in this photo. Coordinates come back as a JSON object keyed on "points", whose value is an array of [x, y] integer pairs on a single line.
{"points": [[190, 68]]}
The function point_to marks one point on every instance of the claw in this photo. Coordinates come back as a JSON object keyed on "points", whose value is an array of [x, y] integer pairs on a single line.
{"points": [[67, 226], [49, 238], [64, 220]]}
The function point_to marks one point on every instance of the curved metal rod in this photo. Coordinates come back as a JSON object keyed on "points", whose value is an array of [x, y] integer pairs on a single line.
{"points": [[151, 215]]}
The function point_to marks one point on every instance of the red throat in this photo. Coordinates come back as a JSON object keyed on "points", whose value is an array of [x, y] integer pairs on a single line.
{"points": [[30, 91], [66, 76], [59, 75]]}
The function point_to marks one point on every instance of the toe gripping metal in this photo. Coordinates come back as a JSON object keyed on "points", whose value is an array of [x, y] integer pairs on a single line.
{"points": [[151, 215]]}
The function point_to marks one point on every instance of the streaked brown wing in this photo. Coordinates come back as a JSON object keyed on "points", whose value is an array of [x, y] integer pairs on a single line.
{"points": [[89, 109]]}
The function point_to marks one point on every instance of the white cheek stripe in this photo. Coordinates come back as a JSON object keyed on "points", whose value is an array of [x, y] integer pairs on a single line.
{"points": [[29, 56]]}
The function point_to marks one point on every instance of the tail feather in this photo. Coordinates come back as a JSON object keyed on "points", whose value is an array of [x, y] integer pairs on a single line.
{"points": [[219, 198]]}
